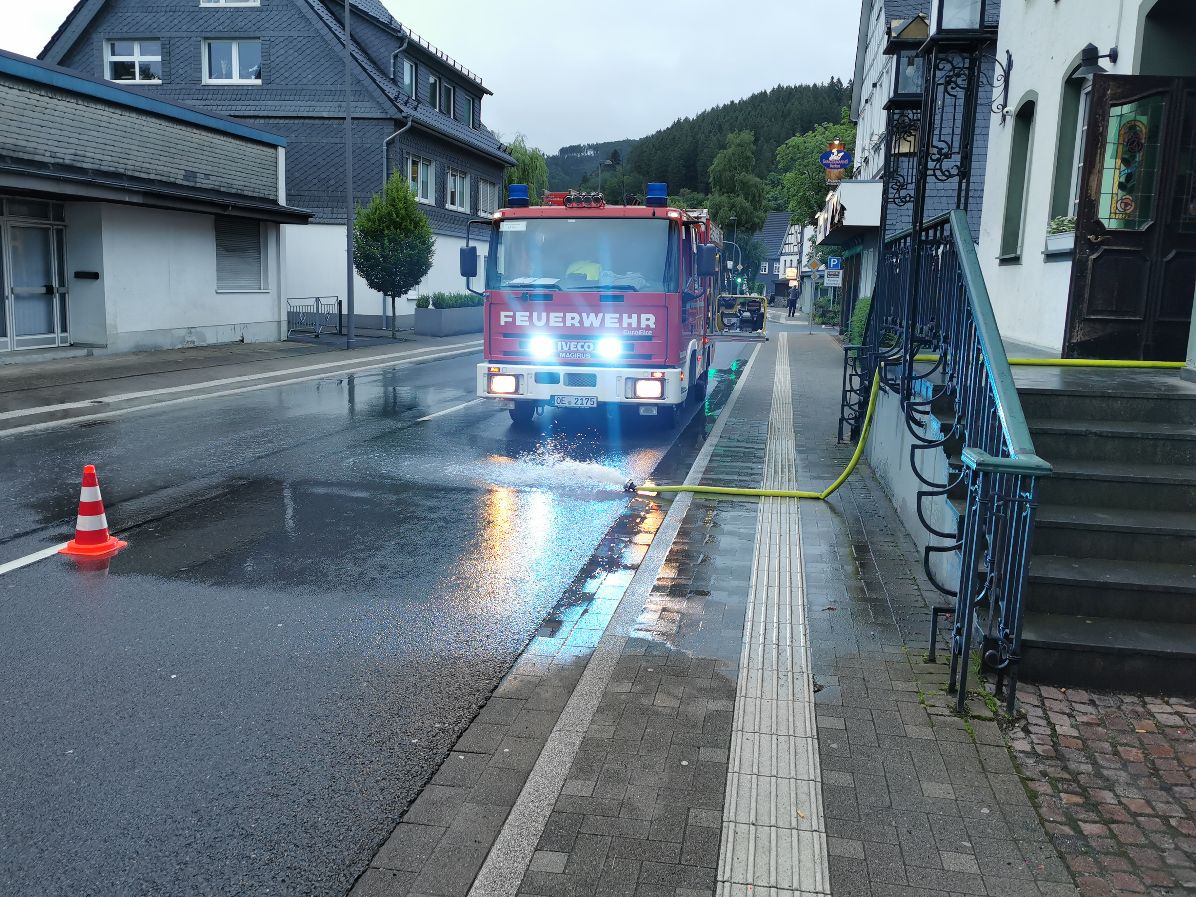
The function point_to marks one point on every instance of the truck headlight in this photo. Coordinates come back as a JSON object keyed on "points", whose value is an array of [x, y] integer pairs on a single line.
{"points": [[504, 384], [649, 389], [609, 348]]}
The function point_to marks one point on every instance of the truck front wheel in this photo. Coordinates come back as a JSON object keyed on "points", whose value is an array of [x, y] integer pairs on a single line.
{"points": [[523, 412]]}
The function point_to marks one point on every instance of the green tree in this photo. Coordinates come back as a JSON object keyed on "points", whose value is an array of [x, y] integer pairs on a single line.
{"points": [[531, 168], [736, 190], [394, 246], [803, 179]]}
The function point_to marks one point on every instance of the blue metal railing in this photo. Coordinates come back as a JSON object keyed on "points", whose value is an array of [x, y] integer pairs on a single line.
{"points": [[949, 362]]}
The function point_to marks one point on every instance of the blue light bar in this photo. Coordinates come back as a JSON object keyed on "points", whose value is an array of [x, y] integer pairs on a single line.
{"points": [[517, 197]]}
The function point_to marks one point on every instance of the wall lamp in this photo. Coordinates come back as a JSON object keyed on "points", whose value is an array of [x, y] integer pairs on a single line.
{"points": [[1090, 58]]}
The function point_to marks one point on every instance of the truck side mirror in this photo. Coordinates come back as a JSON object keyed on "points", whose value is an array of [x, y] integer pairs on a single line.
{"points": [[707, 260], [469, 262]]}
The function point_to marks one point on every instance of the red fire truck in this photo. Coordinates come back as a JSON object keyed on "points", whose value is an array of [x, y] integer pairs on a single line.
{"points": [[589, 305]]}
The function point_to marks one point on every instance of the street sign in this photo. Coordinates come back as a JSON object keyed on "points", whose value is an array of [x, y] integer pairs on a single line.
{"points": [[836, 160], [834, 263], [834, 278]]}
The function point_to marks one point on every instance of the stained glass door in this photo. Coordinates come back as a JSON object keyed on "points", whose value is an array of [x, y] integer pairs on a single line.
{"points": [[1134, 271]]}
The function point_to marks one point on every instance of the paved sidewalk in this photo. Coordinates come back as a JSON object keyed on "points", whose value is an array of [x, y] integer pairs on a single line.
{"points": [[683, 769]]}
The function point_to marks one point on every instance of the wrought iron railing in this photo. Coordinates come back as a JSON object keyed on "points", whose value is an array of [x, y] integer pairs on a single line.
{"points": [[938, 348]]}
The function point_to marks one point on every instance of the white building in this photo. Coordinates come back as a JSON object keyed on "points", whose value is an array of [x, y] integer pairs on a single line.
{"points": [[1115, 153], [128, 222]]}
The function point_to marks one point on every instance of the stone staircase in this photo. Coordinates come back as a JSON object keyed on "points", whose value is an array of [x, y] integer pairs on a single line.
{"points": [[1111, 599]]}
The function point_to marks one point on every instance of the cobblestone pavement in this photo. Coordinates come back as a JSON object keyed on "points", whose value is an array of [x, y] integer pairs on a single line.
{"points": [[1113, 776]]}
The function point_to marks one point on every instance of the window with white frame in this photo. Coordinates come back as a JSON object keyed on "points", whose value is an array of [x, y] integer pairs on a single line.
{"points": [[448, 95], [420, 177], [434, 91], [408, 83], [240, 255], [776, 267], [134, 60], [1077, 165], [465, 110], [764, 268], [487, 197], [237, 61], [457, 190]]}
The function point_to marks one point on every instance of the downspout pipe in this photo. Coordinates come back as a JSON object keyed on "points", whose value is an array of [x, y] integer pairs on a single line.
{"points": [[395, 54], [386, 148]]}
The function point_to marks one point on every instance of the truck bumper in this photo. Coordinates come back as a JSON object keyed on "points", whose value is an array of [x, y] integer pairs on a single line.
{"points": [[609, 385]]}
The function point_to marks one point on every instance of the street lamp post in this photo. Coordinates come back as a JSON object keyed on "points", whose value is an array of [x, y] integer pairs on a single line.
{"points": [[351, 330]]}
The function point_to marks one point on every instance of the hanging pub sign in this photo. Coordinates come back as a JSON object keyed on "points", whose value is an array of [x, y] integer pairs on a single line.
{"points": [[836, 160]]}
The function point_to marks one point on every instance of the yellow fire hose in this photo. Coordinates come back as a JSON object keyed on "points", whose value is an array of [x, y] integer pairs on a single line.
{"points": [[653, 489]]}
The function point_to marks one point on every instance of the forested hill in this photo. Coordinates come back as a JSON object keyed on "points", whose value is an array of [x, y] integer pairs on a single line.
{"points": [[573, 164], [681, 154]]}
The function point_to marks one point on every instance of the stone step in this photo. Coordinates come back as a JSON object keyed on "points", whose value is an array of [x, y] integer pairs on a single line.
{"points": [[1110, 588], [1106, 652], [1165, 537], [1132, 441], [1145, 404], [1112, 484]]}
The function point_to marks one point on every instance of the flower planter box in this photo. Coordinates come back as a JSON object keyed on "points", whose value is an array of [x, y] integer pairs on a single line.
{"points": [[448, 321], [1057, 243]]}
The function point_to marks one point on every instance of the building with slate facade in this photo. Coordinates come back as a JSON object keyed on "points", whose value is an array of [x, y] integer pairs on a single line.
{"points": [[279, 65], [858, 209], [128, 222]]}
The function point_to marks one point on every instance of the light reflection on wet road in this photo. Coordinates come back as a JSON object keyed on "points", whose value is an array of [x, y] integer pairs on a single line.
{"points": [[319, 594]]}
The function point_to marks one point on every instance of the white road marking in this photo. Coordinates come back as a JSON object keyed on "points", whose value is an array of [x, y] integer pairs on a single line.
{"points": [[774, 833], [392, 362], [449, 410], [28, 559], [226, 381], [511, 854]]}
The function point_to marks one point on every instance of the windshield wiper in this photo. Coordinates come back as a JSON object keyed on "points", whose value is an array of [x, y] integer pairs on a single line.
{"points": [[537, 283], [620, 287]]}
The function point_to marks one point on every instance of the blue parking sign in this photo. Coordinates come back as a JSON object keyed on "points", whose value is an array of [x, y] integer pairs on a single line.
{"points": [[834, 263]]}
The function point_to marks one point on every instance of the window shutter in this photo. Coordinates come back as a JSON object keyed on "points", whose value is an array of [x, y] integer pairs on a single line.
{"points": [[238, 254]]}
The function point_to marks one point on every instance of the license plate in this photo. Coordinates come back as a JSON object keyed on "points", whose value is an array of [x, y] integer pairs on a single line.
{"points": [[649, 410], [575, 401]]}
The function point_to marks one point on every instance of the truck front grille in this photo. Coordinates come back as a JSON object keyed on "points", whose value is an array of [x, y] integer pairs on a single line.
{"points": [[581, 379]]}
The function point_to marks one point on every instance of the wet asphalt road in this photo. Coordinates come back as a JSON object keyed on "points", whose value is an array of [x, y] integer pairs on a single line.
{"points": [[320, 591]]}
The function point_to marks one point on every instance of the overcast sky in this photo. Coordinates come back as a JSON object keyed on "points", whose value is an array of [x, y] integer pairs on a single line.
{"points": [[568, 72]]}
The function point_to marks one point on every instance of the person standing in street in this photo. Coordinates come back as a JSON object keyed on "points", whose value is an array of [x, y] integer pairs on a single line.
{"points": [[792, 301]]}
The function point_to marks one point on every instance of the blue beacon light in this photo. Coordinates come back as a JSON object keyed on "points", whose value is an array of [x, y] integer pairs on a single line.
{"points": [[517, 196], [658, 195]]}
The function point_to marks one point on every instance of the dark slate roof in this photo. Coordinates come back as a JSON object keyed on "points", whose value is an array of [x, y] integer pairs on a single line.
{"points": [[481, 139], [68, 79], [772, 238], [377, 10]]}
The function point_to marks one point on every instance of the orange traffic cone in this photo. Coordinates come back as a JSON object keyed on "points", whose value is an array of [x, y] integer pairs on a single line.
{"points": [[91, 530]]}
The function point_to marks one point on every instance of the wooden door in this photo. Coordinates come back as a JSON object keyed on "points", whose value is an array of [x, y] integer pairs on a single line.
{"points": [[1134, 273]]}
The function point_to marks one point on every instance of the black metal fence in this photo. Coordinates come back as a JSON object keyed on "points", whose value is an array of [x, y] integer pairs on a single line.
{"points": [[933, 340]]}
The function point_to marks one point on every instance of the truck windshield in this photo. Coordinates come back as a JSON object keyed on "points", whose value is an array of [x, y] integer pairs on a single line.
{"points": [[616, 254]]}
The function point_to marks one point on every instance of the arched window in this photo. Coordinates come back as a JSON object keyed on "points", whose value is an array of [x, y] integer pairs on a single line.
{"points": [[1069, 153], [1019, 176]]}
